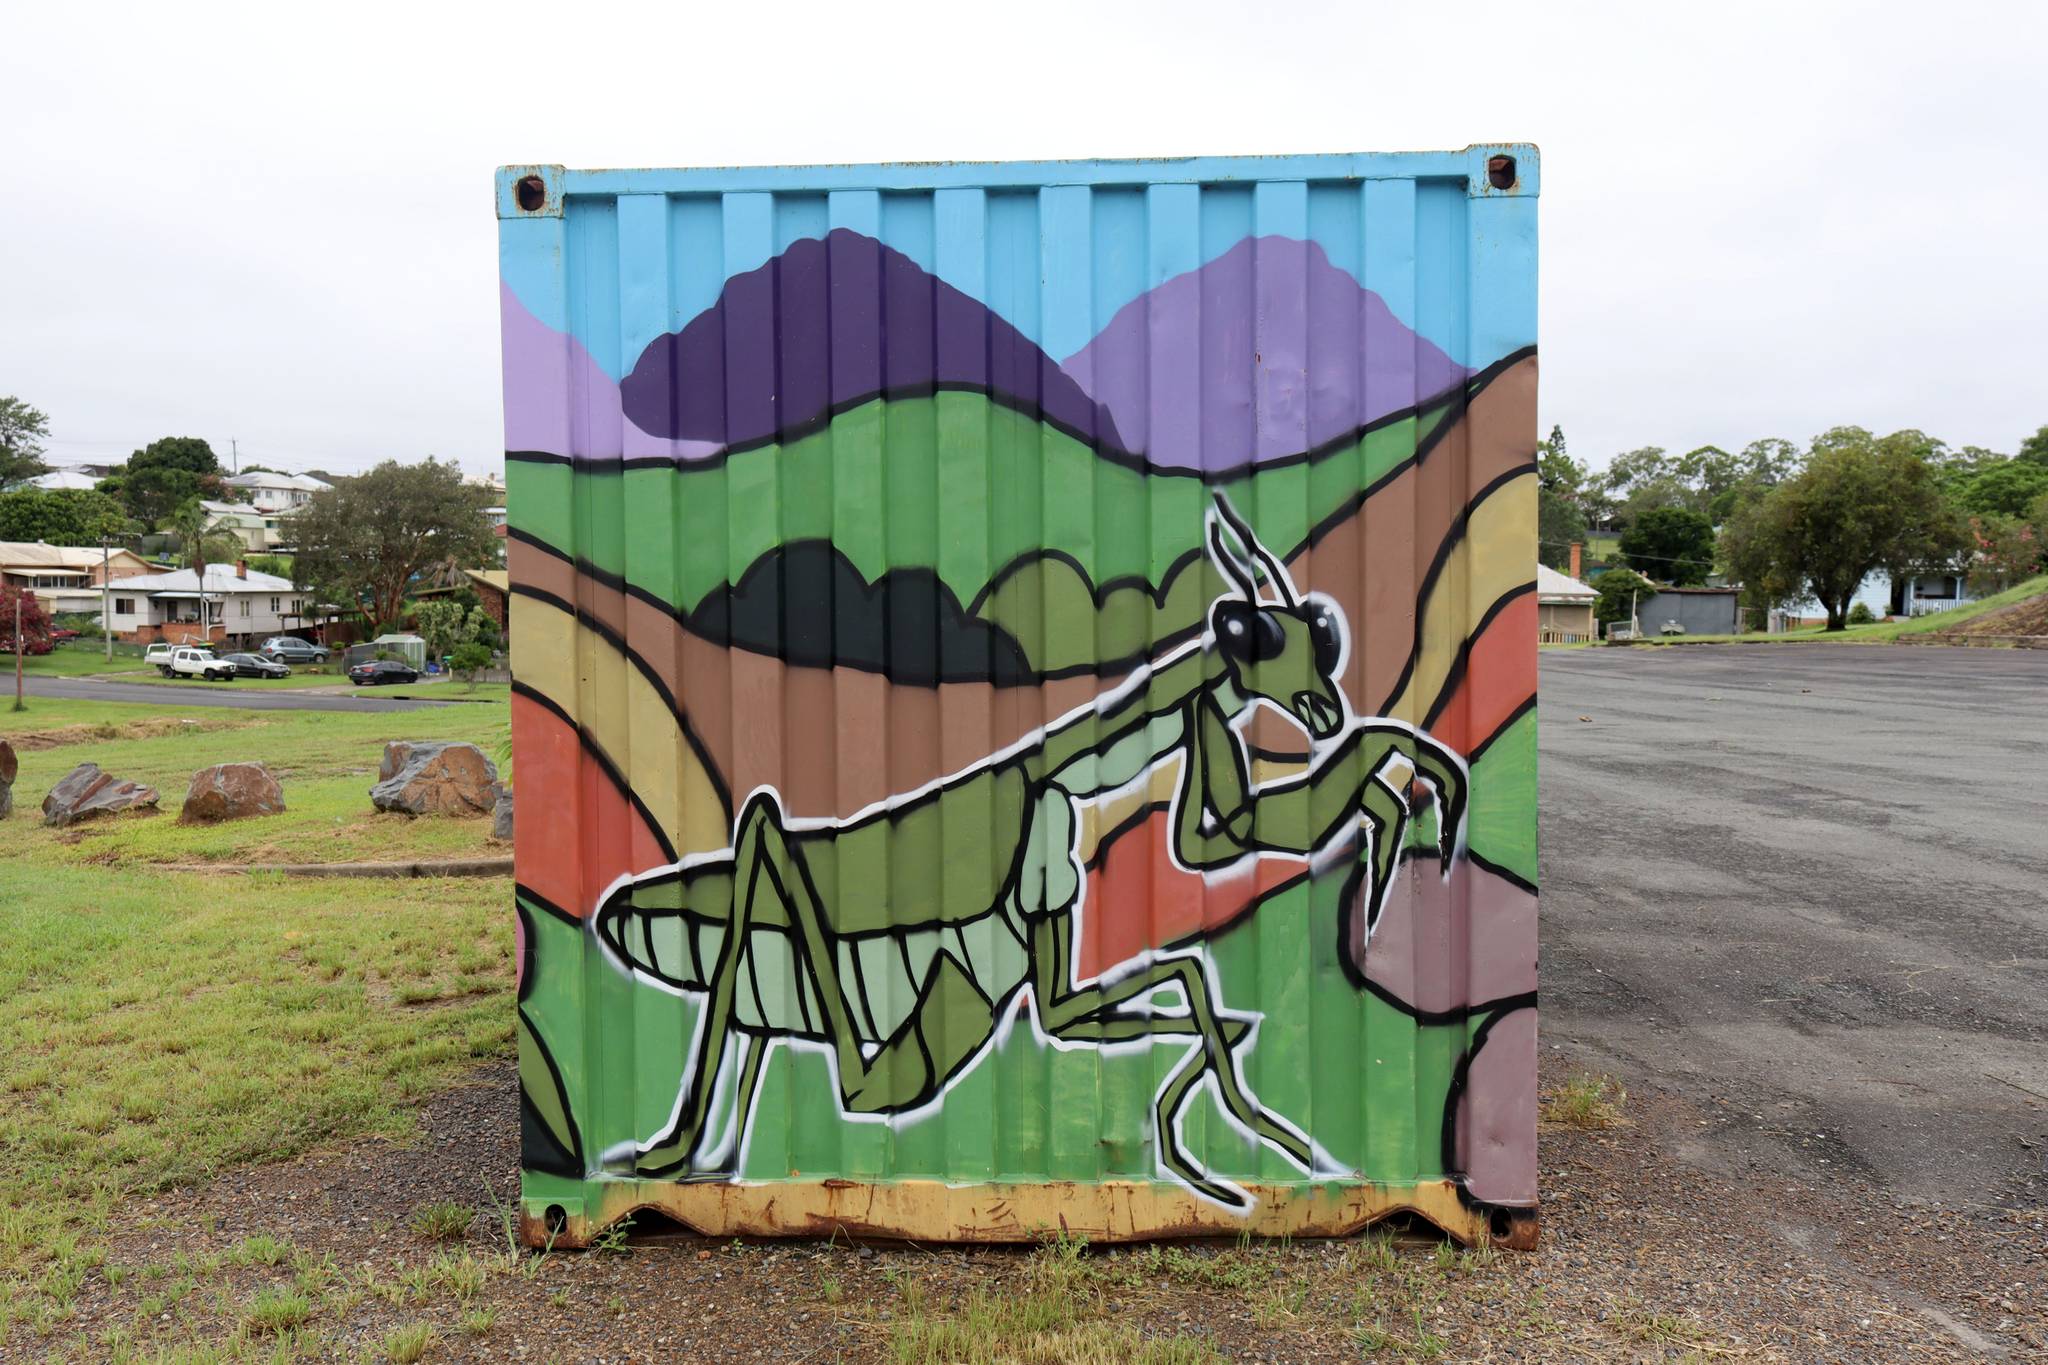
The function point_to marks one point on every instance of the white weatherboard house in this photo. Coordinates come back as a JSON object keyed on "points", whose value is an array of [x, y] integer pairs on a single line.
{"points": [[233, 606], [274, 493]]}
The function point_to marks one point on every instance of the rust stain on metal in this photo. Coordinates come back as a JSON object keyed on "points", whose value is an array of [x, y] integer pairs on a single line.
{"points": [[927, 1211]]}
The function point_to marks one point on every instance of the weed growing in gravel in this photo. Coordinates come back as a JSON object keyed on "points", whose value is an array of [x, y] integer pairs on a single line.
{"points": [[408, 1344], [442, 1221], [479, 1321], [261, 1249], [1586, 1102], [613, 1238], [277, 1310]]}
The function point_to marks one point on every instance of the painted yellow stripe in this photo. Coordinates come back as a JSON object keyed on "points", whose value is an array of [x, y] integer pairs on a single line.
{"points": [[614, 702], [1496, 556]]}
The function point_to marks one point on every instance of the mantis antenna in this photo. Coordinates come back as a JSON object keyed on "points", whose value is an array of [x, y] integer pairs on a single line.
{"points": [[1275, 574]]}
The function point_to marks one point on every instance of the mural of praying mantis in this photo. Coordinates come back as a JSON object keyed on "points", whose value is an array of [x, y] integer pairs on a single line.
{"points": [[897, 940]]}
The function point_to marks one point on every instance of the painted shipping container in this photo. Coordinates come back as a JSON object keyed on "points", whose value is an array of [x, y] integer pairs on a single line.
{"points": [[1025, 695]]}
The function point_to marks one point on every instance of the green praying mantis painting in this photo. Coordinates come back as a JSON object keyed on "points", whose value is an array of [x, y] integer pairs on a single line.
{"points": [[899, 941]]}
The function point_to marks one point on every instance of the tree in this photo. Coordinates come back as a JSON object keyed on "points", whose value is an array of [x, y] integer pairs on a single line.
{"points": [[1769, 461], [35, 622], [1560, 486], [469, 659], [22, 432], [1859, 505], [60, 516], [163, 476], [365, 539], [199, 544], [2034, 450], [440, 622], [2008, 551], [1618, 592], [1674, 543], [2007, 488]]}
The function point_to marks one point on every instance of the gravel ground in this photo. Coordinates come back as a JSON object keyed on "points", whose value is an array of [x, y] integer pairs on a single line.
{"points": [[1792, 902], [1645, 1256]]}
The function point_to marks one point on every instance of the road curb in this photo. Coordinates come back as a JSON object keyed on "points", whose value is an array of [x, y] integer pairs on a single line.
{"points": [[449, 867]]}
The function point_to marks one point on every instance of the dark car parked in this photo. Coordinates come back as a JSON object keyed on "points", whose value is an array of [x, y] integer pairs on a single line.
{"points": [[373, 671], [256, 666], [290, 649]]}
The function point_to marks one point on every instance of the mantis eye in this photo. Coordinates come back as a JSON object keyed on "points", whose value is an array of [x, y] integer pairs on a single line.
{"points": [[1325, 634], [1247, 634]]}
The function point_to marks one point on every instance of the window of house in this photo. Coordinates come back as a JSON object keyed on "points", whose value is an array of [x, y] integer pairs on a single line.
{"points": [[273, 606], [124, 606], [246, 604]]}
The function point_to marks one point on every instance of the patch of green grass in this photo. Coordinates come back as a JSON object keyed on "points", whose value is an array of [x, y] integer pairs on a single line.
{"points": [[79, 658], [325, 761], [445, 1220], [1585, 1101], [274, 1311], [409, 1343], [161, 1028]]}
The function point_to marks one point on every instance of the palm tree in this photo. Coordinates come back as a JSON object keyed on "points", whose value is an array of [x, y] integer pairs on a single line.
{"points": [[199, 543]]}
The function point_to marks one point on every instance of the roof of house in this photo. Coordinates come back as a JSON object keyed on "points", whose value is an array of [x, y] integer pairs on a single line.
{"points": [[64, 480], [264, 479], [220, 578], [497, 580], [33, 554], [1552, 586]]}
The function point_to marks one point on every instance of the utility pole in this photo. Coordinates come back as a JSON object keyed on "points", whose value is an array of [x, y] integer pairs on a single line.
{"points": [[106, 602], [235, 453], [20, 690]]}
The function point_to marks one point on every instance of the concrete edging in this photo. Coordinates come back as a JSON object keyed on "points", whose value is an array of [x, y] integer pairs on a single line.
{"points": [[450, 867]]}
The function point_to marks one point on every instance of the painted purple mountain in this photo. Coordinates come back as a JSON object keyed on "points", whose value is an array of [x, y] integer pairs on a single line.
{"points": [[1267, 351], [829, 323]]}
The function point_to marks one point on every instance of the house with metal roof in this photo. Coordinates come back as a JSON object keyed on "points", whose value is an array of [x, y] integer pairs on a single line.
{"points": [[65, 578], [231, 604], [1564, 608], [277, 493]]}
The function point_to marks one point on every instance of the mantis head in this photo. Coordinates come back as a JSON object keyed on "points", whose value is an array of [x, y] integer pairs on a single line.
{"points": [[1285, 652]]}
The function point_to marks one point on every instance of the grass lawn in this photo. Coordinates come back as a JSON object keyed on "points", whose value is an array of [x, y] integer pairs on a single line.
{"points": [[77, 658], [162, 1026], [326, 761]]}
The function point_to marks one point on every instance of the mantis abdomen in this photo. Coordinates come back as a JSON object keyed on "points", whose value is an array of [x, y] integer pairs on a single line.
{"points": [[883, 975]]}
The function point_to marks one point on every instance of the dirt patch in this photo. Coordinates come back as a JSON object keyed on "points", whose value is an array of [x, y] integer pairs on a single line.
{"points": [[2022, 618], [154, 727], [1645, 1256]]}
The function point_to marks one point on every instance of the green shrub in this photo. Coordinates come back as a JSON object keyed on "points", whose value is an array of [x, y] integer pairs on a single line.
{"points": [[1861, 615]]}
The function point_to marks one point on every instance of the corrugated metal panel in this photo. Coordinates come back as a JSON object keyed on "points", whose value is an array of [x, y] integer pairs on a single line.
{"points": [[1025, 694]]}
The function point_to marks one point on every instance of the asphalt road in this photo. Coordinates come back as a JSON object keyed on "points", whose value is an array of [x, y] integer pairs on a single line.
{"points": [[222, 694], [1807, 887]]}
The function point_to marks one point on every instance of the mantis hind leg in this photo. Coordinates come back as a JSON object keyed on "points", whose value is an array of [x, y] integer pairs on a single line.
{"points": [[1099, 1013], [950, 1021]]}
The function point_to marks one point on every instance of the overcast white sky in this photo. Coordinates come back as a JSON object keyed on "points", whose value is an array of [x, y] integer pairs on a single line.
{"points": [[274, 224]]}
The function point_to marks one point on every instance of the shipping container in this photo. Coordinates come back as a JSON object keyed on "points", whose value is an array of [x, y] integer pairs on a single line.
{"points": [[1025, 695]]}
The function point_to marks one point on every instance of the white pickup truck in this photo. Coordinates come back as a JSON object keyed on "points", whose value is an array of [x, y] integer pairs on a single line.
{"points": [[186, 661]]}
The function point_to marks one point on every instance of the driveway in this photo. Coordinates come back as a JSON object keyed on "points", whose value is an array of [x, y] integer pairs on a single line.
{"points": [[1806, 887], [224, 694]]}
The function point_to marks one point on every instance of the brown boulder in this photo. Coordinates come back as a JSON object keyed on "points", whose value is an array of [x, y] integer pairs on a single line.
{"points": [[230, 791], [10, 766], [85, 792], [431, 777]]}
